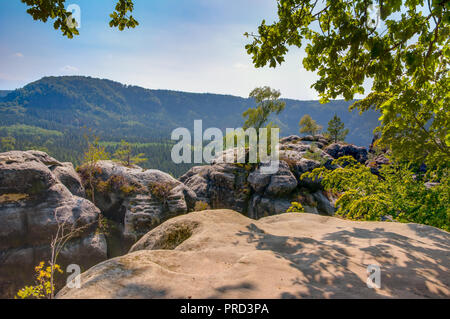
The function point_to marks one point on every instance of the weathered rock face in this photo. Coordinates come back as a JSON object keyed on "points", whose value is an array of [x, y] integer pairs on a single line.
{"points": [[319, 140], [222, 254], [246, 189], [35, 190], [337, 150], [139, 200], [67, 175]]}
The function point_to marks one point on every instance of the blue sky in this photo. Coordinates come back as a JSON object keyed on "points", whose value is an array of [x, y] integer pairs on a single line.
{"points": [[187, 45]]}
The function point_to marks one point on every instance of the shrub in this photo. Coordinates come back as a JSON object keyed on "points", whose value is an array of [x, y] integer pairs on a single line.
{"points": [[248, 166], [290, 162], [398, 192], [296, 208], [315, 154], [94, 153], [200, 206], [117, 183], [160, 190], [43, 288], [124, 155]]}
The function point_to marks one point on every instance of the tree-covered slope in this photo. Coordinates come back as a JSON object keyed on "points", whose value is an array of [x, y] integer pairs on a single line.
{"points": [[4, 93], [115, 111]]}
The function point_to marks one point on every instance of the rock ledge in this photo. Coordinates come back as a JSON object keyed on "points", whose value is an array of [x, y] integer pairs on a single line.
{"points": [[223, 254]]}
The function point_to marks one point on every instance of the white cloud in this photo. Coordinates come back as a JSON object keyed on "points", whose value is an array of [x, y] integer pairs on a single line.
{"points": [[69, 69], [240, 66]]}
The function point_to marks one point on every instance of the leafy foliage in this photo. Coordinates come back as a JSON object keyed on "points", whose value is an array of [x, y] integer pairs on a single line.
{"points": [[335, 130], [315, 154], [93, 154], [201, 206], [116, 184], [119, 17], [95, 151], [55, 9], [295, 208], [43, 288], [8, 143], [398, 192], [267, 102], [309, 126], [124, 155], [407, 59], [161, 191]]}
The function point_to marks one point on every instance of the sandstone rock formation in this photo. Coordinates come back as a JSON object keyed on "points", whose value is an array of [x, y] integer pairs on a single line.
{"points": [[139, 200], [246, 189], [337, 150], [67, 175], [223, 254], [34, 189], [319, 140]]}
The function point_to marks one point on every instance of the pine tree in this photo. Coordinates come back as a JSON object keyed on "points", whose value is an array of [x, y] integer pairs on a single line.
{"points": [[124, 155], [336, 131]]}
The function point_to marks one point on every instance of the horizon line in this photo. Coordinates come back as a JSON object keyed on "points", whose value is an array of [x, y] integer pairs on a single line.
{"points": [[155, 89]]}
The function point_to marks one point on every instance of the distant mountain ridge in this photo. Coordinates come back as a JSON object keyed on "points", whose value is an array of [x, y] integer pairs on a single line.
{"points": [[4, 93], [72, 102], [116, 111]]}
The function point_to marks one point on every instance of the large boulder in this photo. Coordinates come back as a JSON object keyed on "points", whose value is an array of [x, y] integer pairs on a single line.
{"points": [[281, 183], [337, 150], [260, 206], [220, 185], [67, 175], [137, 200], [318, 140], [222, 254], [248, 189], [36, 197]]}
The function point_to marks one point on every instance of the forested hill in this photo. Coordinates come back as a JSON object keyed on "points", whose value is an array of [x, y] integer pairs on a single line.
{"points": [[4, 93], [51, 113]]}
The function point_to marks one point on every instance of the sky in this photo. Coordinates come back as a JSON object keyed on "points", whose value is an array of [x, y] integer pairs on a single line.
{"points": [[184, 45]]}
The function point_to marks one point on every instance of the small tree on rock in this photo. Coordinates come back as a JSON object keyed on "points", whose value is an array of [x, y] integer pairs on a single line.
{"points": [[93, 154], [336, 131], [124, 155], [267, 102], [309, 126]]}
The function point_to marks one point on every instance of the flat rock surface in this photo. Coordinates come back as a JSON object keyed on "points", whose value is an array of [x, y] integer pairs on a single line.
{"points": [[223, 254]]}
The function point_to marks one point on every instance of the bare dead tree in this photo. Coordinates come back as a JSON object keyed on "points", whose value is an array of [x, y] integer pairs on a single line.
{"points": [[64, 233]]}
